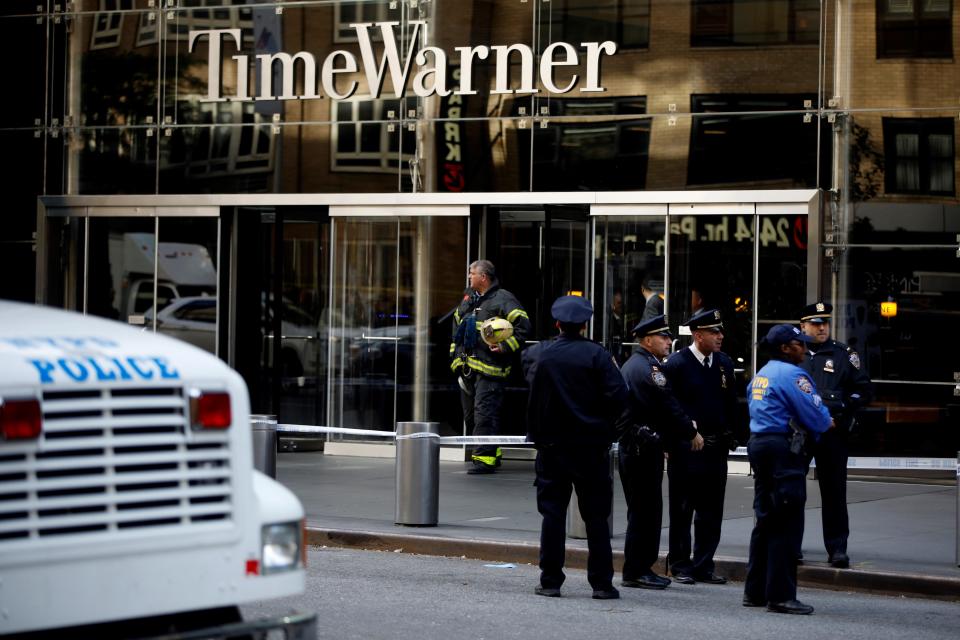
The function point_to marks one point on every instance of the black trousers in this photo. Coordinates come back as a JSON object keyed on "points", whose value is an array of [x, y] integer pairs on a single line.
{"points": [[831, 453], [641, 473], [697, 482], [779, 496], [481, 408], [560, 470]]}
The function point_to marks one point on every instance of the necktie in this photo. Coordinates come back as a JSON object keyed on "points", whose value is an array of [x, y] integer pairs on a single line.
{"points": [[706, 362]]}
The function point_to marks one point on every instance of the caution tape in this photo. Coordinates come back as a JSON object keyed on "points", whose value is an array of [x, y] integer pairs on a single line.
{"points": [[467, 440]]}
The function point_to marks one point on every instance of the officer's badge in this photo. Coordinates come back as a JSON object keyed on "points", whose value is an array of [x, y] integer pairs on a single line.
{"points": [[828, 366], [716, 315], [723, 380], [855, 359], [805, 385], [821, 307], [658, 378]]}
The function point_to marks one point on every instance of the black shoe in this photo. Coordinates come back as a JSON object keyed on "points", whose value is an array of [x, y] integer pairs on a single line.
{"points": [[750, 602], [548, 592], [683, 578], [840, 560], [480, 468], [790, 606], [799, 558], [610, 593], [647, 581], [710, 578]]}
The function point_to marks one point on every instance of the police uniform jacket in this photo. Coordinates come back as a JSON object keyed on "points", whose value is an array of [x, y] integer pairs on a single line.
{"points": [[707, 396], [838, 373], [651, 402], [473, 352], [576, 393], [781, 391]]}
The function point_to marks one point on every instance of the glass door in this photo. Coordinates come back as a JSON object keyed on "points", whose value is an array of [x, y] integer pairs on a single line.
{"points": [[371, 324]]}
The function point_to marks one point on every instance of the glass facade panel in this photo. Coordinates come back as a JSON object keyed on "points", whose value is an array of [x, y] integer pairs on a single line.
{"points": [[121, 268], [114, 160], [628, 278]]}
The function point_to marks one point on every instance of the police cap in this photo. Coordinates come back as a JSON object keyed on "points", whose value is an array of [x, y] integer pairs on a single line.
{"points": [[785, 334], [653, 326], [817, 312], [708, 320], [571, 309]]}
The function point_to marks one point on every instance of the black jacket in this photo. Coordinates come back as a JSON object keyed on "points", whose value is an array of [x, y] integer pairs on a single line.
{"points": [[576, 392], [651, 404], [841, 381], [474, 353], [708, 396]]}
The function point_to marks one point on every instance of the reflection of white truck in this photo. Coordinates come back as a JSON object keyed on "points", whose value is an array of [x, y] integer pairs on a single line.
{"points": [[128, 498], [183, 269]]}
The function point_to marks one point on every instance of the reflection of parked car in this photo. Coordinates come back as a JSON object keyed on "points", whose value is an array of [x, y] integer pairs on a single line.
{"points": [[194, 320]]}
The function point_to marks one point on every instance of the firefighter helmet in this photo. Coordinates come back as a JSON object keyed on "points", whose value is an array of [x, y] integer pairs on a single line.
{"points": [[495, 330]]}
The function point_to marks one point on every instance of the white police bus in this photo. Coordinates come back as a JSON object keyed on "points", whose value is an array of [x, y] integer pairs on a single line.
{"points": [[128, 498]]}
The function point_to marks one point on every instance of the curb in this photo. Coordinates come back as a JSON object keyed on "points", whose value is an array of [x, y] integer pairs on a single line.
{"points": [[876, 582]]}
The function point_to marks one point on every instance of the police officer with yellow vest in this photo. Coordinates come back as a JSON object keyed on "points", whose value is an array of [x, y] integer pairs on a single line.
{"points": [[845, 387], [576, 395], [652, 420], [482, 367]]}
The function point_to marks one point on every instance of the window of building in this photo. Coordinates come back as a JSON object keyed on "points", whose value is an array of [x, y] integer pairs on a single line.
{"points": [[108, 24], [591, 153], [147, 30], [919, 155], [914, 28], [626, 22], [754, 22], [368, 136], [214, 14], [218, 146], [729, 146], [350, 12]]}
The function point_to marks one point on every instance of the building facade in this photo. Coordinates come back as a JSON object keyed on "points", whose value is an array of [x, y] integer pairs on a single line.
{"points": [[300, 186]]}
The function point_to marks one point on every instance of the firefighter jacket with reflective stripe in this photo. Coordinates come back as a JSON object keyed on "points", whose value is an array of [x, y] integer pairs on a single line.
{"points": [[470, 351]]}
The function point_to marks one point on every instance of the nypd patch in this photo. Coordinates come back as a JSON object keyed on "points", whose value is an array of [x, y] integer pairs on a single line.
{"points": [[658, 378], [804, 384], [855, 359]]}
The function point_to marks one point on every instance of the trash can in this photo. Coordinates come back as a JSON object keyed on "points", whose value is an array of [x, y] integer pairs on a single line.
{"points": [[418, 473], [264, 430], [576, 528]]}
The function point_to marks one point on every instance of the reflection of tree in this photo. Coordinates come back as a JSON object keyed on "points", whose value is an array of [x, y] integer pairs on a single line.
{"points": [[866, 165]]}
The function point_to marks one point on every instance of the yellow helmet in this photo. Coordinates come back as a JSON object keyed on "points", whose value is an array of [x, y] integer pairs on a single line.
{"points": [[495, 330]]}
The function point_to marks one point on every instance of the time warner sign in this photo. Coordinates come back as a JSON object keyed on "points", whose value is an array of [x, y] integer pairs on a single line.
{"points": [[431, 63]]}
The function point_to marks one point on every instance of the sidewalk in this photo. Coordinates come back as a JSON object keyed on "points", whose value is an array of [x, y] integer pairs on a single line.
{"points": [[903, 536]]}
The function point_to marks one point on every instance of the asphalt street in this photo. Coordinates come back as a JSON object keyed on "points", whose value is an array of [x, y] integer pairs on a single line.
{"points": [[370, 594]]}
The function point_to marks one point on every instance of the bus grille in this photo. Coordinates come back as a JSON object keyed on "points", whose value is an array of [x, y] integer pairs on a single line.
{"points": [[114, 460]]}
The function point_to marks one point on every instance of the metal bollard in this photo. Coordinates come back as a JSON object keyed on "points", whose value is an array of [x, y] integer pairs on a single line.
{"points": [[418, 474], [264, 430], [576, 527]]}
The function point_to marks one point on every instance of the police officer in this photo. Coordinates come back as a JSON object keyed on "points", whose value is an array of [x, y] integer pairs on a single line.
{"points": [[845, 387], [784, 408], [483, 368], [702, 379], [576, 395], [652, 416]]}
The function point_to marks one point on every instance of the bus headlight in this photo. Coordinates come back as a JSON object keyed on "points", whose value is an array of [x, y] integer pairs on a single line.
{"points": [[281, 547]]}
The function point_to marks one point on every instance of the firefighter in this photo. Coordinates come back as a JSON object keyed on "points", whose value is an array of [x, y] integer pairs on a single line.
{"points": [[482, 368]]}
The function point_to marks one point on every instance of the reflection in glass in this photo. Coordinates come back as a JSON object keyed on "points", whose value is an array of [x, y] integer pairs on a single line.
{"points": [[120, 269], [626, 22], [919, 155], [578, 151], [629, 277], [116, 160], [914, 29], [711, 267], [752, 148], [754, 22], [371, 323]]}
